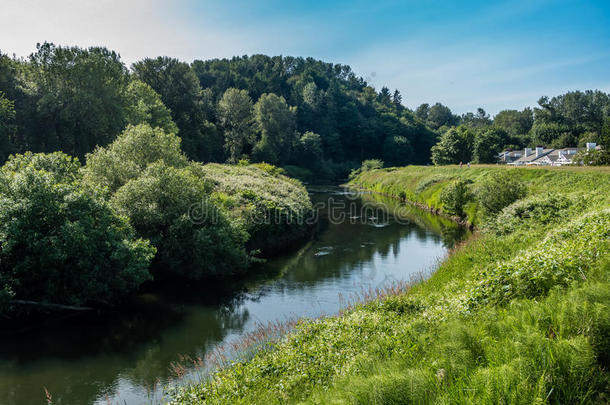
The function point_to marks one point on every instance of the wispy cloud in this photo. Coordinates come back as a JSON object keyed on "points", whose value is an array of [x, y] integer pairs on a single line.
{"points": [[464, 54]]}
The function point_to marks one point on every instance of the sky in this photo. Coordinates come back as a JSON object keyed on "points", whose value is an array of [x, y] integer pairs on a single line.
{"points": [[465, 54]]}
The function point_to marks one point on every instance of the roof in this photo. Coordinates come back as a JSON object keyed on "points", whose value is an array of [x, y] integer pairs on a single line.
{"points": [[533, 157]]}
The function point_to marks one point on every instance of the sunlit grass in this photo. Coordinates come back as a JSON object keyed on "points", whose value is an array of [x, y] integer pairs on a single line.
{"points": [[516, 314]]}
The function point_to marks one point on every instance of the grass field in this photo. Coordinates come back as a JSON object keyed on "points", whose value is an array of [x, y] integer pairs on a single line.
{"points": [[519, 313]]}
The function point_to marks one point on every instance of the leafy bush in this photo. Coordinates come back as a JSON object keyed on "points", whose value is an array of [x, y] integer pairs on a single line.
{"points": [[130, 154], [173, 209], [564, 256], [532, 211], [367, 165], [60, 243], [268, 206], [455, 196], [499, 191]]}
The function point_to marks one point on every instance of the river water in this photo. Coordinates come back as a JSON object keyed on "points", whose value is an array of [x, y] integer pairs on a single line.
{"points": [[364, 242]]}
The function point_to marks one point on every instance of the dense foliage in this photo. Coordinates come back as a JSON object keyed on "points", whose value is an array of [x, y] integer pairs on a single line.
{"points": [[281, 110], [138, 208], [569, 120], [199, 217], [518, 314], [61, 243]]}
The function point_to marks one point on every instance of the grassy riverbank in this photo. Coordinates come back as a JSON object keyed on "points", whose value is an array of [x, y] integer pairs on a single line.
{"points": [[517, 314]]}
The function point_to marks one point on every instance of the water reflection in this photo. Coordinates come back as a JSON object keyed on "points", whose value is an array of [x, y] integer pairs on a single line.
{"points": [[124, 355]]}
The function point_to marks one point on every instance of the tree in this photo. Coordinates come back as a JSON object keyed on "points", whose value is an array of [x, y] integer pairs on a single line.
{"points": [[515, 122], [172, 208], [130, 154], [144, 106], [397, 151], [276, 122], [60, 243], [455, 196], [487, 145], [7, 126], [236, 118], [181, 92], [453, 147], [78, 96], [478, 120], [397, 100], [440, 115], [422, 112]]}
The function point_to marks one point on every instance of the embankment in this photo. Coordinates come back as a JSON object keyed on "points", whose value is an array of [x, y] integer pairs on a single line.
{"points": [[517, 314]]}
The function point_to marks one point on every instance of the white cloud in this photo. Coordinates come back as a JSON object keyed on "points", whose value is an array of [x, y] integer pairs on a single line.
{"points": [[134, 28]]}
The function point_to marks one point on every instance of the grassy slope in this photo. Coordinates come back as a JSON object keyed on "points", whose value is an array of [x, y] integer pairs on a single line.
{"points": [[258, 194], [518, 314]]}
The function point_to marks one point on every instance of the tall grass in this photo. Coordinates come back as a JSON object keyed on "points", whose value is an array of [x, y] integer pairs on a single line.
{"points": [[519, 313]]}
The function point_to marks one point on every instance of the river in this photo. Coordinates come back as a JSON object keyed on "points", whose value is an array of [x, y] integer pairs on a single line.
{"points": [[125, 356]]}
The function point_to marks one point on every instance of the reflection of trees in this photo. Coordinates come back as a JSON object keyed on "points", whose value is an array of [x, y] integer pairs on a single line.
{"points": [[449, 231], [81, 361], [357, 243]]}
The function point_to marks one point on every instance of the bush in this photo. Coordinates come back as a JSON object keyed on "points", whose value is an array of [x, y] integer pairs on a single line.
{"points": [[367, 165], [130, 154], [499, 191], [455, 196], [172, 207], [532, 211], [60, 243], [564, 256]]}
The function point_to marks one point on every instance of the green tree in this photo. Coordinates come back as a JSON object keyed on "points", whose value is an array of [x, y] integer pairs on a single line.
{"points": [[422, 112], [397, 151], [453, 147], [515, 122], [440, 115], [455, 196], [130, 154], [487, 145], [181, 92], [276, 122], [235, 113], [60, 243], [172, 208], [7, 126], [78, 98], [499, 191], [144, 106]]}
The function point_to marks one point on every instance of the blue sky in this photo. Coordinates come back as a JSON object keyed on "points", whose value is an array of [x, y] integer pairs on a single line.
{"points": [[465, 54]]}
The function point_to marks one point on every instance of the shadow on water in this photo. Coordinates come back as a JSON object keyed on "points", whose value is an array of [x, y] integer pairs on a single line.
{"points": [[125, 354]]}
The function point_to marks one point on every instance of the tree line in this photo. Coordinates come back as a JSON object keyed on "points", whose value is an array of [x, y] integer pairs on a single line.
{"points": [[287, 111], [568, 120]]}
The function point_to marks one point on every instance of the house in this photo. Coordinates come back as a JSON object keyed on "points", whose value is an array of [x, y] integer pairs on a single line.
{"points": [[509, 156], [549, 157], [530, 157]]}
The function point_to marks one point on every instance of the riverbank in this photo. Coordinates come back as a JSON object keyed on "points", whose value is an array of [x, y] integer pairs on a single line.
{"points": [[76, 236], [518, 313]]}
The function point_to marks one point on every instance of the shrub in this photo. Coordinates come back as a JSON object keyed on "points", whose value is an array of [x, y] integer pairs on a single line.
{"points": [[367, 165], [130, 154], [532, 211], [172, 207], [455, 196], [499, 191], [60, 243], [564, 256]]}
